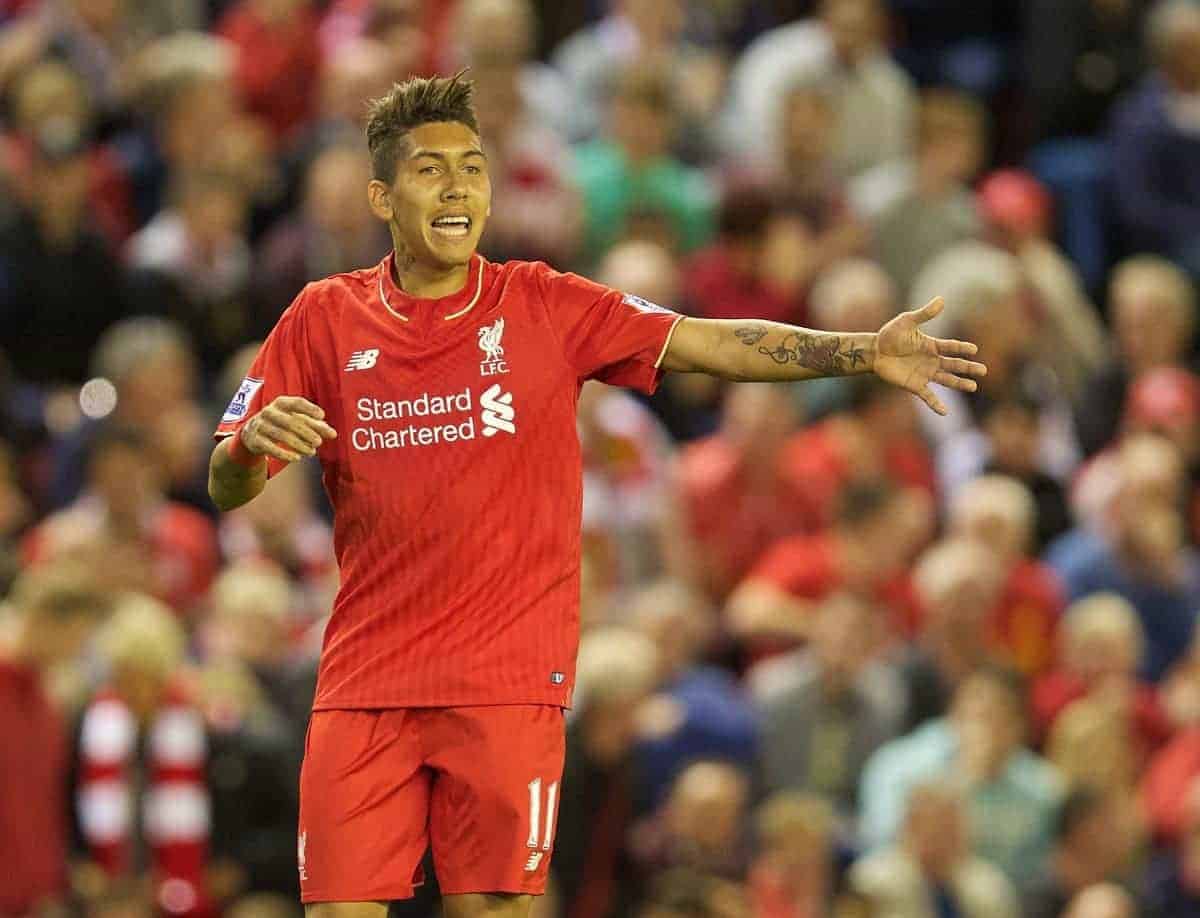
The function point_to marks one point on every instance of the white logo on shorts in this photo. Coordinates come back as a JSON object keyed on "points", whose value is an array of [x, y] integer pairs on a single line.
{"points": [[534, 859], [301, 841]]}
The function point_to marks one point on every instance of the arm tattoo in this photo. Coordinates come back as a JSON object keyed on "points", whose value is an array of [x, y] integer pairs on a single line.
{"points": [[822, 353]]}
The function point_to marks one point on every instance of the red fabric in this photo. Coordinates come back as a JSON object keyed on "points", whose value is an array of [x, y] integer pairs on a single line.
{"points": [[278, 66], [734, 514], [1168, 784], [715, 290], [811, 567], [33, 783], [1024, 625], [459, 558], [171, 811], [1055, 691], [491, 813], [772, 896]]}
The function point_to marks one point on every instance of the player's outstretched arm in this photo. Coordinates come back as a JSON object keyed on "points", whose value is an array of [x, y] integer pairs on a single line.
{"points": [[287, 429], [900, 353]]}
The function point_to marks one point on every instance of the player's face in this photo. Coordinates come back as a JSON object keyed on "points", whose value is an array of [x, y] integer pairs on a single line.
{"points": [[441, 197]]}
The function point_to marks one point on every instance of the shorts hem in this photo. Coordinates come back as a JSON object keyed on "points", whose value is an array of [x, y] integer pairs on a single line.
{"points": [[386, 895], [484, 889]]}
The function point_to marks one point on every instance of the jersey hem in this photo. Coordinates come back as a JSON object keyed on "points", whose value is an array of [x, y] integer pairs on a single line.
{"points": [[436, 703]]}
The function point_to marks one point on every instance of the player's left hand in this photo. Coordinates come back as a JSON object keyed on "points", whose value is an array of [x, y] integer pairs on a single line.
{"points": [[907, 357]]}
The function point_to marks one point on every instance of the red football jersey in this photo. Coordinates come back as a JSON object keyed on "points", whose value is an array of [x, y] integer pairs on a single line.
{"points": [[456, 474]]}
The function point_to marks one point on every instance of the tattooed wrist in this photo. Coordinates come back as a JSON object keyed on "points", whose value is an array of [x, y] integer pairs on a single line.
{"points": [[821, 353]]}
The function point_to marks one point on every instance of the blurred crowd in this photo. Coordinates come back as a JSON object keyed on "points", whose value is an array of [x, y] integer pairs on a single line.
{"points": [[840, 656]]}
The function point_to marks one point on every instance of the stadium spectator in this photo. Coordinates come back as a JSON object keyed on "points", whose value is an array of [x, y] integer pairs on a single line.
{"points": [[123, 523], [1153, 309], [1016, 210], [922, 207], [62, 287], [1090, 847], [873, 535], [1011, 793], [959, 584], [1013, 427], [537, 213], [1170, 788], [49, 615], [630, 174], [334, 231], [1102, 647], [793, 875], [1142, 555], [278, 60], [144, 722], [1166, 401], [755, 268], [149, 364], [930, 871], [1172, 884], [1154, 138], [592, 870], [698, 710], [733, 494], [1104, 900], [874, 99], [701, 826], [999, 513], [595, 59], [820, 726]]}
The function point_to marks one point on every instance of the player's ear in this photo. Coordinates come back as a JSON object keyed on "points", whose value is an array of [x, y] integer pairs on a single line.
{"points": [[381, 203]]}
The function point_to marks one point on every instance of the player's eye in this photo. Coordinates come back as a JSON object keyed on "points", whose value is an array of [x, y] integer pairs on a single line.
{"points": [[428, 170], [473, 170]]}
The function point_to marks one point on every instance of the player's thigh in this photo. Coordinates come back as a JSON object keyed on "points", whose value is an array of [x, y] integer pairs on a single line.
{"points": [[364, 807], [346, 910], [487, 905], [494, 806]]}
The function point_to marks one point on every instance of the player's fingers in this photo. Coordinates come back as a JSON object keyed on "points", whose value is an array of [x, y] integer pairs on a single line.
{"points": [[298, 425], [274, 449], [927, 396], [950, 381], [963, 367], [930, 309], [299, 405], [323, 430], [269, 432], [949, 347]]}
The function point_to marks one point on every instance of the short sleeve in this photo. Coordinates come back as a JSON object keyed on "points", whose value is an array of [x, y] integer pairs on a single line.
{"points": [[279, 368], [607, 335]]}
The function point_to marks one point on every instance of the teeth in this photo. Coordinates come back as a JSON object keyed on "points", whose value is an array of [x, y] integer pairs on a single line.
{"points": [[452, 221]]}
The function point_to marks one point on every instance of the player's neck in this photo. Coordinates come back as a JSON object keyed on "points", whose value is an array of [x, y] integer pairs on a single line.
{"points": [[426, 281]]}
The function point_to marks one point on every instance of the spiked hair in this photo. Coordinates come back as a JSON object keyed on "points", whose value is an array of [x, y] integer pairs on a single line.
{"points": [[416, 101]]}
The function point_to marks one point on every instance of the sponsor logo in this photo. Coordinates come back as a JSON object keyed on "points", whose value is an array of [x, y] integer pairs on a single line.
{"points": [[498, 412], [557, 678], [644, 305], [362, 360], [496, 415], [534, 860], [240, 402], [493, 352]]}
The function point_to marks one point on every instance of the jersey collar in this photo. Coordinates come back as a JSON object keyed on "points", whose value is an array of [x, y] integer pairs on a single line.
{"points": [[454, 306]]}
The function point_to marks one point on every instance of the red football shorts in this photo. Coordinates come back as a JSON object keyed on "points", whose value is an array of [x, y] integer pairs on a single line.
{"points": [[378, 787]]}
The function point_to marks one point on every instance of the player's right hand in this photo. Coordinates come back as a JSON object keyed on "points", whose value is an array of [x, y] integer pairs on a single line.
{"points": [[288, 429]]}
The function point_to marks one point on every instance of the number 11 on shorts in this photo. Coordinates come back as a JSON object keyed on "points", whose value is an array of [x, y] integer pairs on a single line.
{"points": [[535, 813]]}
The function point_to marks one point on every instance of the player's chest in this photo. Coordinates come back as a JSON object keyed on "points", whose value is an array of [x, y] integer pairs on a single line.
{"points": [[413, 392]]}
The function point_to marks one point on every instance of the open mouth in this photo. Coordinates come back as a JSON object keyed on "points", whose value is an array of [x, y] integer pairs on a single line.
{"points": [[452, 227]]}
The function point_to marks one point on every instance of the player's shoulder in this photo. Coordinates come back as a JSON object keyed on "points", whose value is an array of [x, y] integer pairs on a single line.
{"points": [[322, 301]]}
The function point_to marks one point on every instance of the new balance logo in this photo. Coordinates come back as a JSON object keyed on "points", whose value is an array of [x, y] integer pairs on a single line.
{"points": [[534, 859], [301, 844], [362, 360], [498, 412]]}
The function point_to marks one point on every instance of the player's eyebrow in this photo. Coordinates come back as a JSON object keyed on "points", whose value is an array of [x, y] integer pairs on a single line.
{"points": [[438, 154]]}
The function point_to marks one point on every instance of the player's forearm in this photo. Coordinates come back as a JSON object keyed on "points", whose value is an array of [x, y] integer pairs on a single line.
{"points": [[752, 350], [232, 483]]}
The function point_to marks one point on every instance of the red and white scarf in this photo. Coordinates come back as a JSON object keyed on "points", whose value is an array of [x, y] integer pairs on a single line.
{"points": [[173, 806]]}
